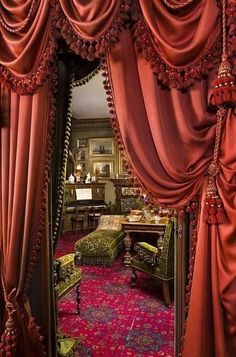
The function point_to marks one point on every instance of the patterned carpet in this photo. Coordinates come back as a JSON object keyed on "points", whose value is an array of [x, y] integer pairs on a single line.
{"points": [[115, 319]]}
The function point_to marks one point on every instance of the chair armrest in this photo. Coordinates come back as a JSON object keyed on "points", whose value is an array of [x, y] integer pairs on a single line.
{"points": [[147, 252]]}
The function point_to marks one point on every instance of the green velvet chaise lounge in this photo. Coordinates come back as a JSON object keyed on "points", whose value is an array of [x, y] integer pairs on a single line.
{"points": [[101, 246]]}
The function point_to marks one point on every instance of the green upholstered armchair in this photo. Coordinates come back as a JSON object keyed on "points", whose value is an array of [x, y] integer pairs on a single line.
{"points": [[157, 261], [66, 277]]}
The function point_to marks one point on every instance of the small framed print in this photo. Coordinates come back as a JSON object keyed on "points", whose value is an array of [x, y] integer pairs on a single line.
{"points": [[101, 147], [83, 154], [81, 143], [103, 169], [122, 169]]}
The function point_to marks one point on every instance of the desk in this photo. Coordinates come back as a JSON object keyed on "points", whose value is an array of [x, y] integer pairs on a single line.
{"points": [[141, 226]]}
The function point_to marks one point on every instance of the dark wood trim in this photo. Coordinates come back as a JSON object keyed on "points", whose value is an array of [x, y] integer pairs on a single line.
{"points": [[181, 261]]}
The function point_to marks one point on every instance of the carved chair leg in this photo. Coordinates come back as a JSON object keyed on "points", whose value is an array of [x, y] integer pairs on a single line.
{"points": [[133, 277], [78, 298], [166, 293]]}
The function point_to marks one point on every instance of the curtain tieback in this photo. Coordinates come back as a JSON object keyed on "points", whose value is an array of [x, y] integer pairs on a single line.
{"points": [[224, 88], [214, 212], [10, 336], [10, 340]]}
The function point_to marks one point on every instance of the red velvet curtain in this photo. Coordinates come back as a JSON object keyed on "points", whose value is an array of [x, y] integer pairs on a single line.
{"points": [[168, 135], [27, 44], [24, 29], [26, 127], [157, 125], [23, 151], [212, 311], [89, 19], [186, 37]]}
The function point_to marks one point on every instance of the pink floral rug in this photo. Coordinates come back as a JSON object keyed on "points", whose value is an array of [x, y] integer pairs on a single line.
{"points": [[115, 319]]}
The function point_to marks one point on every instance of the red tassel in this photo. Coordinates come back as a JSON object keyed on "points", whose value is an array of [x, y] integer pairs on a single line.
{"points": [[213, 208], [36, 337], [9, 339], [224, 88]]}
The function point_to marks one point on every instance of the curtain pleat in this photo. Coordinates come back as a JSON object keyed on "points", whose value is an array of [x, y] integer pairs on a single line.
{"points": [[20, 50], [89, 19], [28, 43], [186, 38], [156, 125]]}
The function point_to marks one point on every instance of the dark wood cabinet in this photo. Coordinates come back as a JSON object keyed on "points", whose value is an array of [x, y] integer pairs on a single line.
{"points": [[126, 194]]}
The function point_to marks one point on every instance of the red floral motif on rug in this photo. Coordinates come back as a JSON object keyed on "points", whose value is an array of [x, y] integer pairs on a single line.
{"points": [[115, 319]]}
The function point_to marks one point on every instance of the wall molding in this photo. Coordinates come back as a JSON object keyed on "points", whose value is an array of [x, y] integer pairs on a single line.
{"points": [[90, 124]]}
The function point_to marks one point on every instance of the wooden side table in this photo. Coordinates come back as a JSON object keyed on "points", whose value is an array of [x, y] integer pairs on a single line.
{"points": [[141, 226]]}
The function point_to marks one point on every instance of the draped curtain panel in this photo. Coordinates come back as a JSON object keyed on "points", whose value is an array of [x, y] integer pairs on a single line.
{"points": [[169, 138], [23, 147], [160, 61], [158, 125], [27, 45]]}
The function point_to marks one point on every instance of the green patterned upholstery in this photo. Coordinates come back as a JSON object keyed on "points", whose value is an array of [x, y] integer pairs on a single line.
{"points": [[100, 247], [157, 262], [67, 346], [147, 253], [67, 264], [69, 282], [66, 277]]}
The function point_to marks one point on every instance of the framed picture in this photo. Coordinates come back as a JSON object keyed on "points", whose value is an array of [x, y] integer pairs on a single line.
{"points": [[81, 143], [122, 170], [103, 169], [83, 154], [101, 147]]}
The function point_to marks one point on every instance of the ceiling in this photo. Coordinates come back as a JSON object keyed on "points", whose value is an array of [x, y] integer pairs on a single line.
{"points": [[89, 100]]}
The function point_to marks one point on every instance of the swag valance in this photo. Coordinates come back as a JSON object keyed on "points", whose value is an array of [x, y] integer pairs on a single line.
{"points": [[173, 37], [160, 61]]}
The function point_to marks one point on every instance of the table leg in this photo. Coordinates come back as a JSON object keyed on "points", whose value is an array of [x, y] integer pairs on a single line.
{"points": [[78, 298], [127, 255]]}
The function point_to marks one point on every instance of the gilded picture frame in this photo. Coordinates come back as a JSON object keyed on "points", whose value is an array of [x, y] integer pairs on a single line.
{"points": [[122, 170], [103, 169], [81, 143], [101, 147]]}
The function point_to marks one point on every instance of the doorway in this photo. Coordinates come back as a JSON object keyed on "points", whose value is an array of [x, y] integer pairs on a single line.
{"points": [[180, 256]]}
